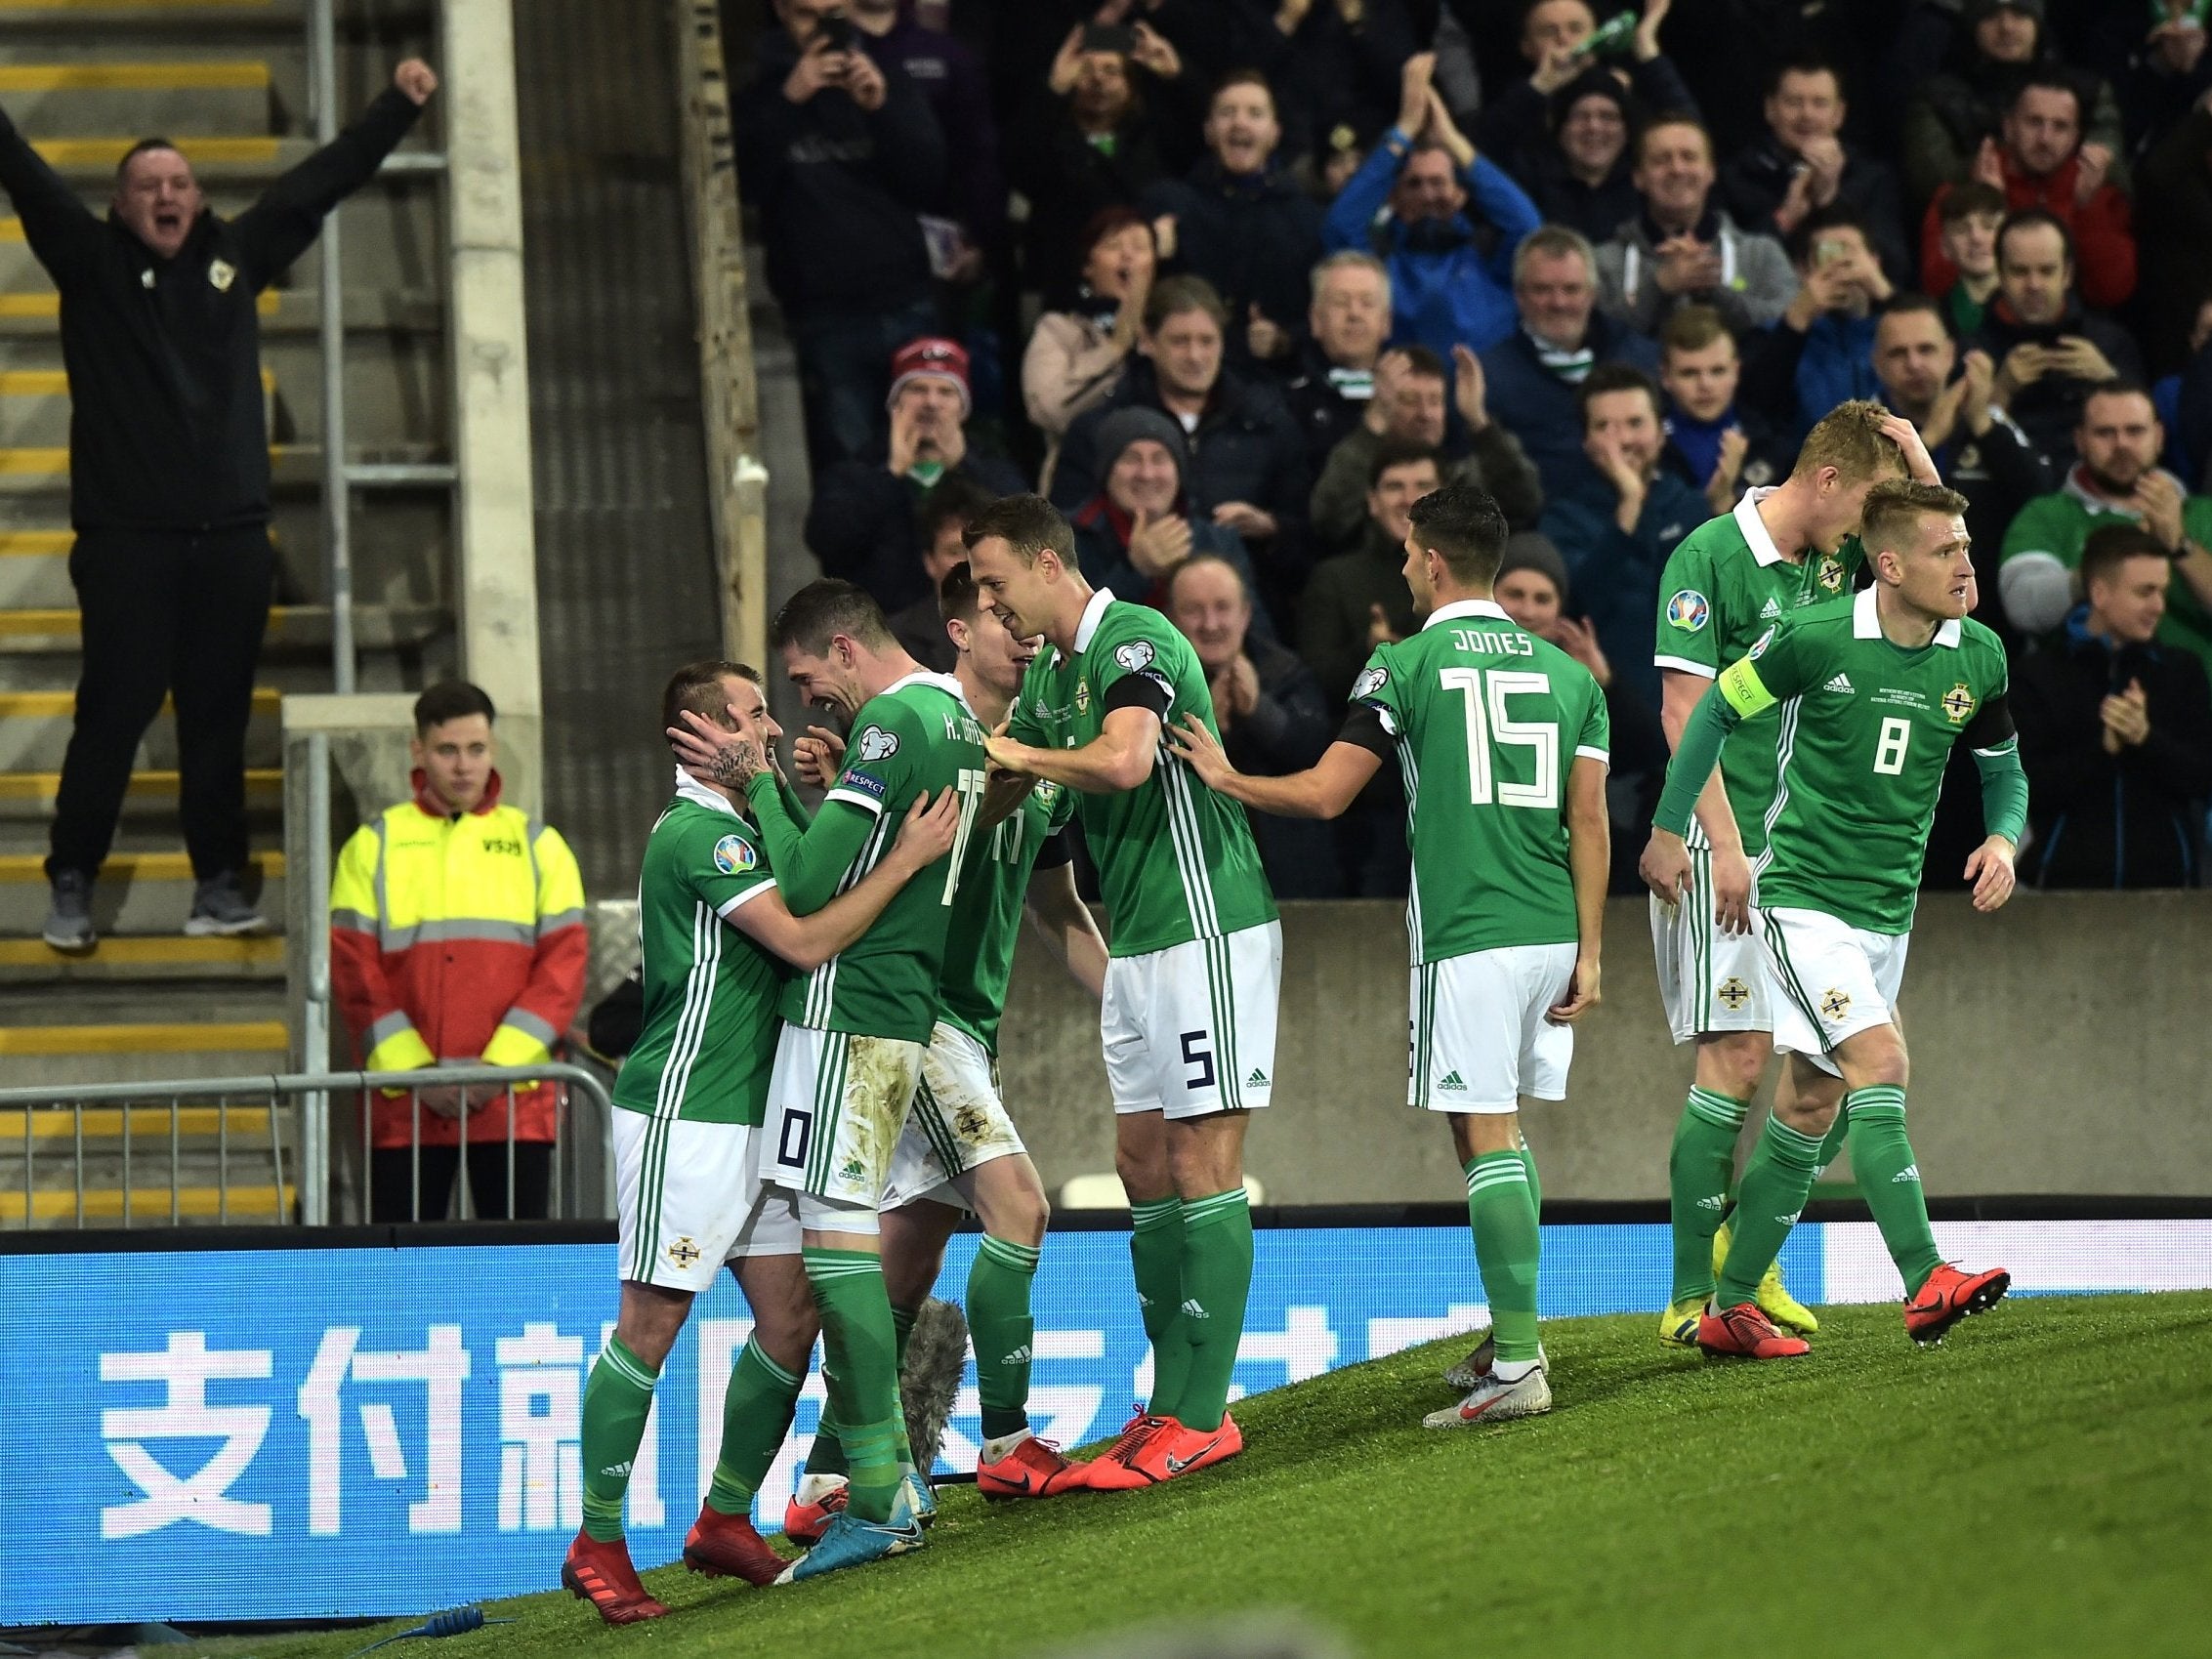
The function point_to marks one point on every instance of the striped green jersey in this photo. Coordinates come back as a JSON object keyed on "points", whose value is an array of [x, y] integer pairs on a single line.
{"points": [[1866, 730], [912, 738], [986, 914], [708, 1042], [1724, 585], [1489, 720], [1176, 861]]}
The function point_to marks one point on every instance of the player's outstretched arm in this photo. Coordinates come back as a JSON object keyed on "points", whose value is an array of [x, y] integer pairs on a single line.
{"points": [[807, 941], [1589, 861], [1119, 758], [1679, 692], [1066, 922], [1323, 790]]}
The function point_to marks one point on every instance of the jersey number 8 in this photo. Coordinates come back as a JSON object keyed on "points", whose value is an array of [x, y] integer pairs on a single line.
{"points": [[1485, 692], [1890, 747]]}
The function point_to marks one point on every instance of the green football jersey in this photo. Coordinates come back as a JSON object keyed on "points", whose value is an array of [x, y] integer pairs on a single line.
{"points": [[1866, 730], [1725, 586], [1489, 720], [1176, 861], [912, 738], [986, 913], [708, 1042]]}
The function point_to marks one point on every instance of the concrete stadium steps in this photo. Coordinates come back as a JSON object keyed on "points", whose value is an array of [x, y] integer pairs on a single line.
{"points": [[53, 631], [28, 797], [30, 310], [34, 406], [233, 1035], [138, 894], [136, 22], [34, 731], [180, 100], [138, 962]]}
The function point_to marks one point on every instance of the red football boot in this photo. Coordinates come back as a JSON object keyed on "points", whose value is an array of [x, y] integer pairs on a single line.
{"points": [[1950, 1296], [724, 1546], [1033, 1469], [1168, 1451], [601, 1574], [817, 1501], [1744, 1331]]}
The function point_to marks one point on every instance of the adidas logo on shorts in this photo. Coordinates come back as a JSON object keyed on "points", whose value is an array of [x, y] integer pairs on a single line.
{"points": [[1841, 683], [1452, 1080], [1258, 1079], [1193, 1307], [1910, 1172]]}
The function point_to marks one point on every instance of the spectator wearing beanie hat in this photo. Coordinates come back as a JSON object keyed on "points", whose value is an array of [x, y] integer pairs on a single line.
{"points": [[861, 521], [1137, 526], [1575, 156]]}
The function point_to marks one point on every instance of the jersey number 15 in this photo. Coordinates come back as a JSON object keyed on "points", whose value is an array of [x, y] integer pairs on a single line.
{"points": [[1489, 727]]}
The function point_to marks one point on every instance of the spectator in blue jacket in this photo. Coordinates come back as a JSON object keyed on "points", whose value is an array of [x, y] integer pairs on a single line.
{"points": [[1620, 516], [1450, 270], [1820, 353], [1532, 375], [1241, 220]]}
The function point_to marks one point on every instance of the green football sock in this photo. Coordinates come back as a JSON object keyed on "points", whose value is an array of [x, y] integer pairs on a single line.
{"points": [[1002, 1329], [1698, 1170], [1156, 1252], [1832, 1143], [1536, 1184], [861, 1367], [1503, 1212], [617, 1397], [1217, 1279], [1775, 1184], [756, 1412], [1889, 1179]]}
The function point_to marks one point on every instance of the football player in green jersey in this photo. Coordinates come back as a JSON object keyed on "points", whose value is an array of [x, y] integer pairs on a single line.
{"points": [[1870, 694], [856, 1027], [961, 1151], [1786, 547], [719, 940], [1501, 740], [1188, 1018]]}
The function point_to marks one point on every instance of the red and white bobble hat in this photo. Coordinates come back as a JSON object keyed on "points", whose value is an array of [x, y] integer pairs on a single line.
{"points": [[931, 354]]}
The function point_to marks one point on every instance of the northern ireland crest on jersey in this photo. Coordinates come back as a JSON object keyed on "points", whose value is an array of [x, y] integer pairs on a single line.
{"points": [[1370, 680], [1136, 656], [876, 744], [1830, 574], [1958, 703], [733, 855], [1690, 611]]}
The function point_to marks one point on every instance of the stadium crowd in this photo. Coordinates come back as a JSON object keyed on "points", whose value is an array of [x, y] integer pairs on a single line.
{"points": [[1238, 282]]}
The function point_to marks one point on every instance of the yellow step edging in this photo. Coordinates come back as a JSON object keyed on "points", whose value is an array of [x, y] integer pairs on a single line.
{"points": [[31, 704], [43, 787], [43, 622], [150, 1204], [164, 951], [50, 305], [245, 1036], [138, 866], [10, 6], [106, 152], [134, 77], [53, 461], [105, 1122], [36, 544], [55, 383]]}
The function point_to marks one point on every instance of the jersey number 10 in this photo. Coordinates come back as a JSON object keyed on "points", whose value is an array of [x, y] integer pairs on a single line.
{"points": [[1489, 727]]}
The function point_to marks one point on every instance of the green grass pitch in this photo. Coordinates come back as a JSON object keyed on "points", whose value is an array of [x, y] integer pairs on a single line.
{"points": [[2041, 1483]]}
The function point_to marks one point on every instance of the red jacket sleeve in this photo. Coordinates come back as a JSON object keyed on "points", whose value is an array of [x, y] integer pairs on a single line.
{"points": [[2104, 240]]}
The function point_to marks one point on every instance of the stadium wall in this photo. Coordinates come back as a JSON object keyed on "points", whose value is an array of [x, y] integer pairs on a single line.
{"points": [[2058, 1047]]}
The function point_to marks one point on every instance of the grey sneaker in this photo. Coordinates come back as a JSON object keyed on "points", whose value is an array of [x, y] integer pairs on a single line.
{"points": [[68, 919], [220, 909]]}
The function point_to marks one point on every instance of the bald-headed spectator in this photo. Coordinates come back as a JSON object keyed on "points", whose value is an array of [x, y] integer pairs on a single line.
{"points": [[1681, 248], [169, 478], [860, 521], [941, 517], [1802, 165], [1410, 405], [1444, 220], [1271, 711], [1346, 322], [2039, 161], [1241, 220], [2048, 348], [1532, 376]]}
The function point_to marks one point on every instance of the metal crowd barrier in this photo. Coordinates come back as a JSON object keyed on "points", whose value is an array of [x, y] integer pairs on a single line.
{"points": [[45, 1109]]}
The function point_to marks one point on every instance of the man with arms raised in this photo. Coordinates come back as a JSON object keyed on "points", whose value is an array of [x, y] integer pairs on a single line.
{"points": [[1501, 739], [1727, 582], [1188, 1021], [856, 1027], [689, 1103], [1870, 693]]}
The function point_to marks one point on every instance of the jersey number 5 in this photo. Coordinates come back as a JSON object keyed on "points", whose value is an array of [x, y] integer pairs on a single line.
{"points": [[1485, 691], [969, 783]]}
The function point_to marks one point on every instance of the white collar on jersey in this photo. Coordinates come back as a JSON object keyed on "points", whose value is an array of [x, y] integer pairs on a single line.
{"points": [[945, 683], [1460, 608], [1754, 527], [689, 788], [1867, 625], [1091, 615]]}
